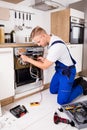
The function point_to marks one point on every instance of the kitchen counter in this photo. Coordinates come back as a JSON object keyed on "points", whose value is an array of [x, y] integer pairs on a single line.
{"points": [[6, 45]]}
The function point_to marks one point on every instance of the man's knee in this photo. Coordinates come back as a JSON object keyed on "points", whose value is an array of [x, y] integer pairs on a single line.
{"points": [[62, 99], [61, 102], [52, 91]]}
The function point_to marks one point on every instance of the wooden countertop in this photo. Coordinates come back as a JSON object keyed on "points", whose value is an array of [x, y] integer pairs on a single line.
{"points": [[13, 45]]}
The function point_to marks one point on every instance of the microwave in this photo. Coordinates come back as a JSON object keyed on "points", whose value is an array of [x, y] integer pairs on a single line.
{"points": [[76, 30]]}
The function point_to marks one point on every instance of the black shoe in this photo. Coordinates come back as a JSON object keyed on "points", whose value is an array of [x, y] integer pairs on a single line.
{"points": [[77, 81], [83, 84]]}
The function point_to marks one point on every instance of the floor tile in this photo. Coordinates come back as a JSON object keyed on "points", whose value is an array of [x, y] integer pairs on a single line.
{"points": [[38, 117]]}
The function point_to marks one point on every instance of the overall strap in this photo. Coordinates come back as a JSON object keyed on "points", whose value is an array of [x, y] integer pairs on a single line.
{"points": [[59, 41]]}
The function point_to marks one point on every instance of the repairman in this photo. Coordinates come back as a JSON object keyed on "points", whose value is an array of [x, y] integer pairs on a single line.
{"points": [[63, 82]]}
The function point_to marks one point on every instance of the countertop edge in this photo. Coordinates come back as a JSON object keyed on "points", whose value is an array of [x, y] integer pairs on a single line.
{"points": [[12, 45]]}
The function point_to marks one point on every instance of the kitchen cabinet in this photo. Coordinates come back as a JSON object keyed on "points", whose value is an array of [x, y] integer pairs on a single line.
{"points": [[48, 74], [6, 73], [76, 51], [60, 22], [4, 14]]}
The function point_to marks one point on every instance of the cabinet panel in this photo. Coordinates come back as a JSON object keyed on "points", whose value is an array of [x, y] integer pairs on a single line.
{"points": [[6, 73], [4, 14], [48, 74], [76, 52], [60, 24]]}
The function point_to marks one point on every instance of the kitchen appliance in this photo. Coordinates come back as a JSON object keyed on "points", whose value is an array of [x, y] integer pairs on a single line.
{"points": [[26, 73], [46, 5], [76, 30]]}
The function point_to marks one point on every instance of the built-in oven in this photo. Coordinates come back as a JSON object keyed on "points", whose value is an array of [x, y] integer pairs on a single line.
{"points": [[76, 30], [26, 73]]}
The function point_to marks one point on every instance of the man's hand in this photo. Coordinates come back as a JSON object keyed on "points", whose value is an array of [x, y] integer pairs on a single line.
{"points": [[41, 59], [24, 58]]}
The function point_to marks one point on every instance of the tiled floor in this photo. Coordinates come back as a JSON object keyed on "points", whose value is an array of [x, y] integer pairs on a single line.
{"points": [[38, 117]]}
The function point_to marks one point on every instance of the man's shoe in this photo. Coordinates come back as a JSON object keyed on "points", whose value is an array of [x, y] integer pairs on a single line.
{"points": [[83, 84], [78, 80]]}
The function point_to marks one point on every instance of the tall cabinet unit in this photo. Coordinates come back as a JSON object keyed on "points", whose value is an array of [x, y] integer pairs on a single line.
{"points": [[6, 73], [60, 26], [76, 51], [60, 22]]}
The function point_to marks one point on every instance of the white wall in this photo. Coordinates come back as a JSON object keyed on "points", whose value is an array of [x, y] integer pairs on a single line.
{"points": [[38, 18]]}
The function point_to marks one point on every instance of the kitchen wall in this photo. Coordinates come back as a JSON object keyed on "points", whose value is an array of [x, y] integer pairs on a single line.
{"points": [[38, 18]]}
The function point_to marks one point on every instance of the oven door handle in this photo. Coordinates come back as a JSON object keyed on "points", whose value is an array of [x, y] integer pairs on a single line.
{"points": [[82, 26]]}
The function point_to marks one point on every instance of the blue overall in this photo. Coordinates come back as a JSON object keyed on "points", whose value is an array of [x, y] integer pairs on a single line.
{"points": [[62, 82]]}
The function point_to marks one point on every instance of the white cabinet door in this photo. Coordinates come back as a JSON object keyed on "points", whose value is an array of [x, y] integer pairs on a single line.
{"points": [[76, 52], [48, 74], [6, 73]]}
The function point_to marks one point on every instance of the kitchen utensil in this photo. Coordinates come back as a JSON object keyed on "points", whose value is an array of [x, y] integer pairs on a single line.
{"points": [[28, 18], [20, 25]]}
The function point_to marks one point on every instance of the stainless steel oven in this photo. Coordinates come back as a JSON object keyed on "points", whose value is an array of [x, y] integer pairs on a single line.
{"points": [[26, 73], [76, 30]]}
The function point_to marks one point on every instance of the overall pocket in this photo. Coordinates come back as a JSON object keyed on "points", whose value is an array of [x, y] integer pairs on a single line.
{"points": [[66, 72]]}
